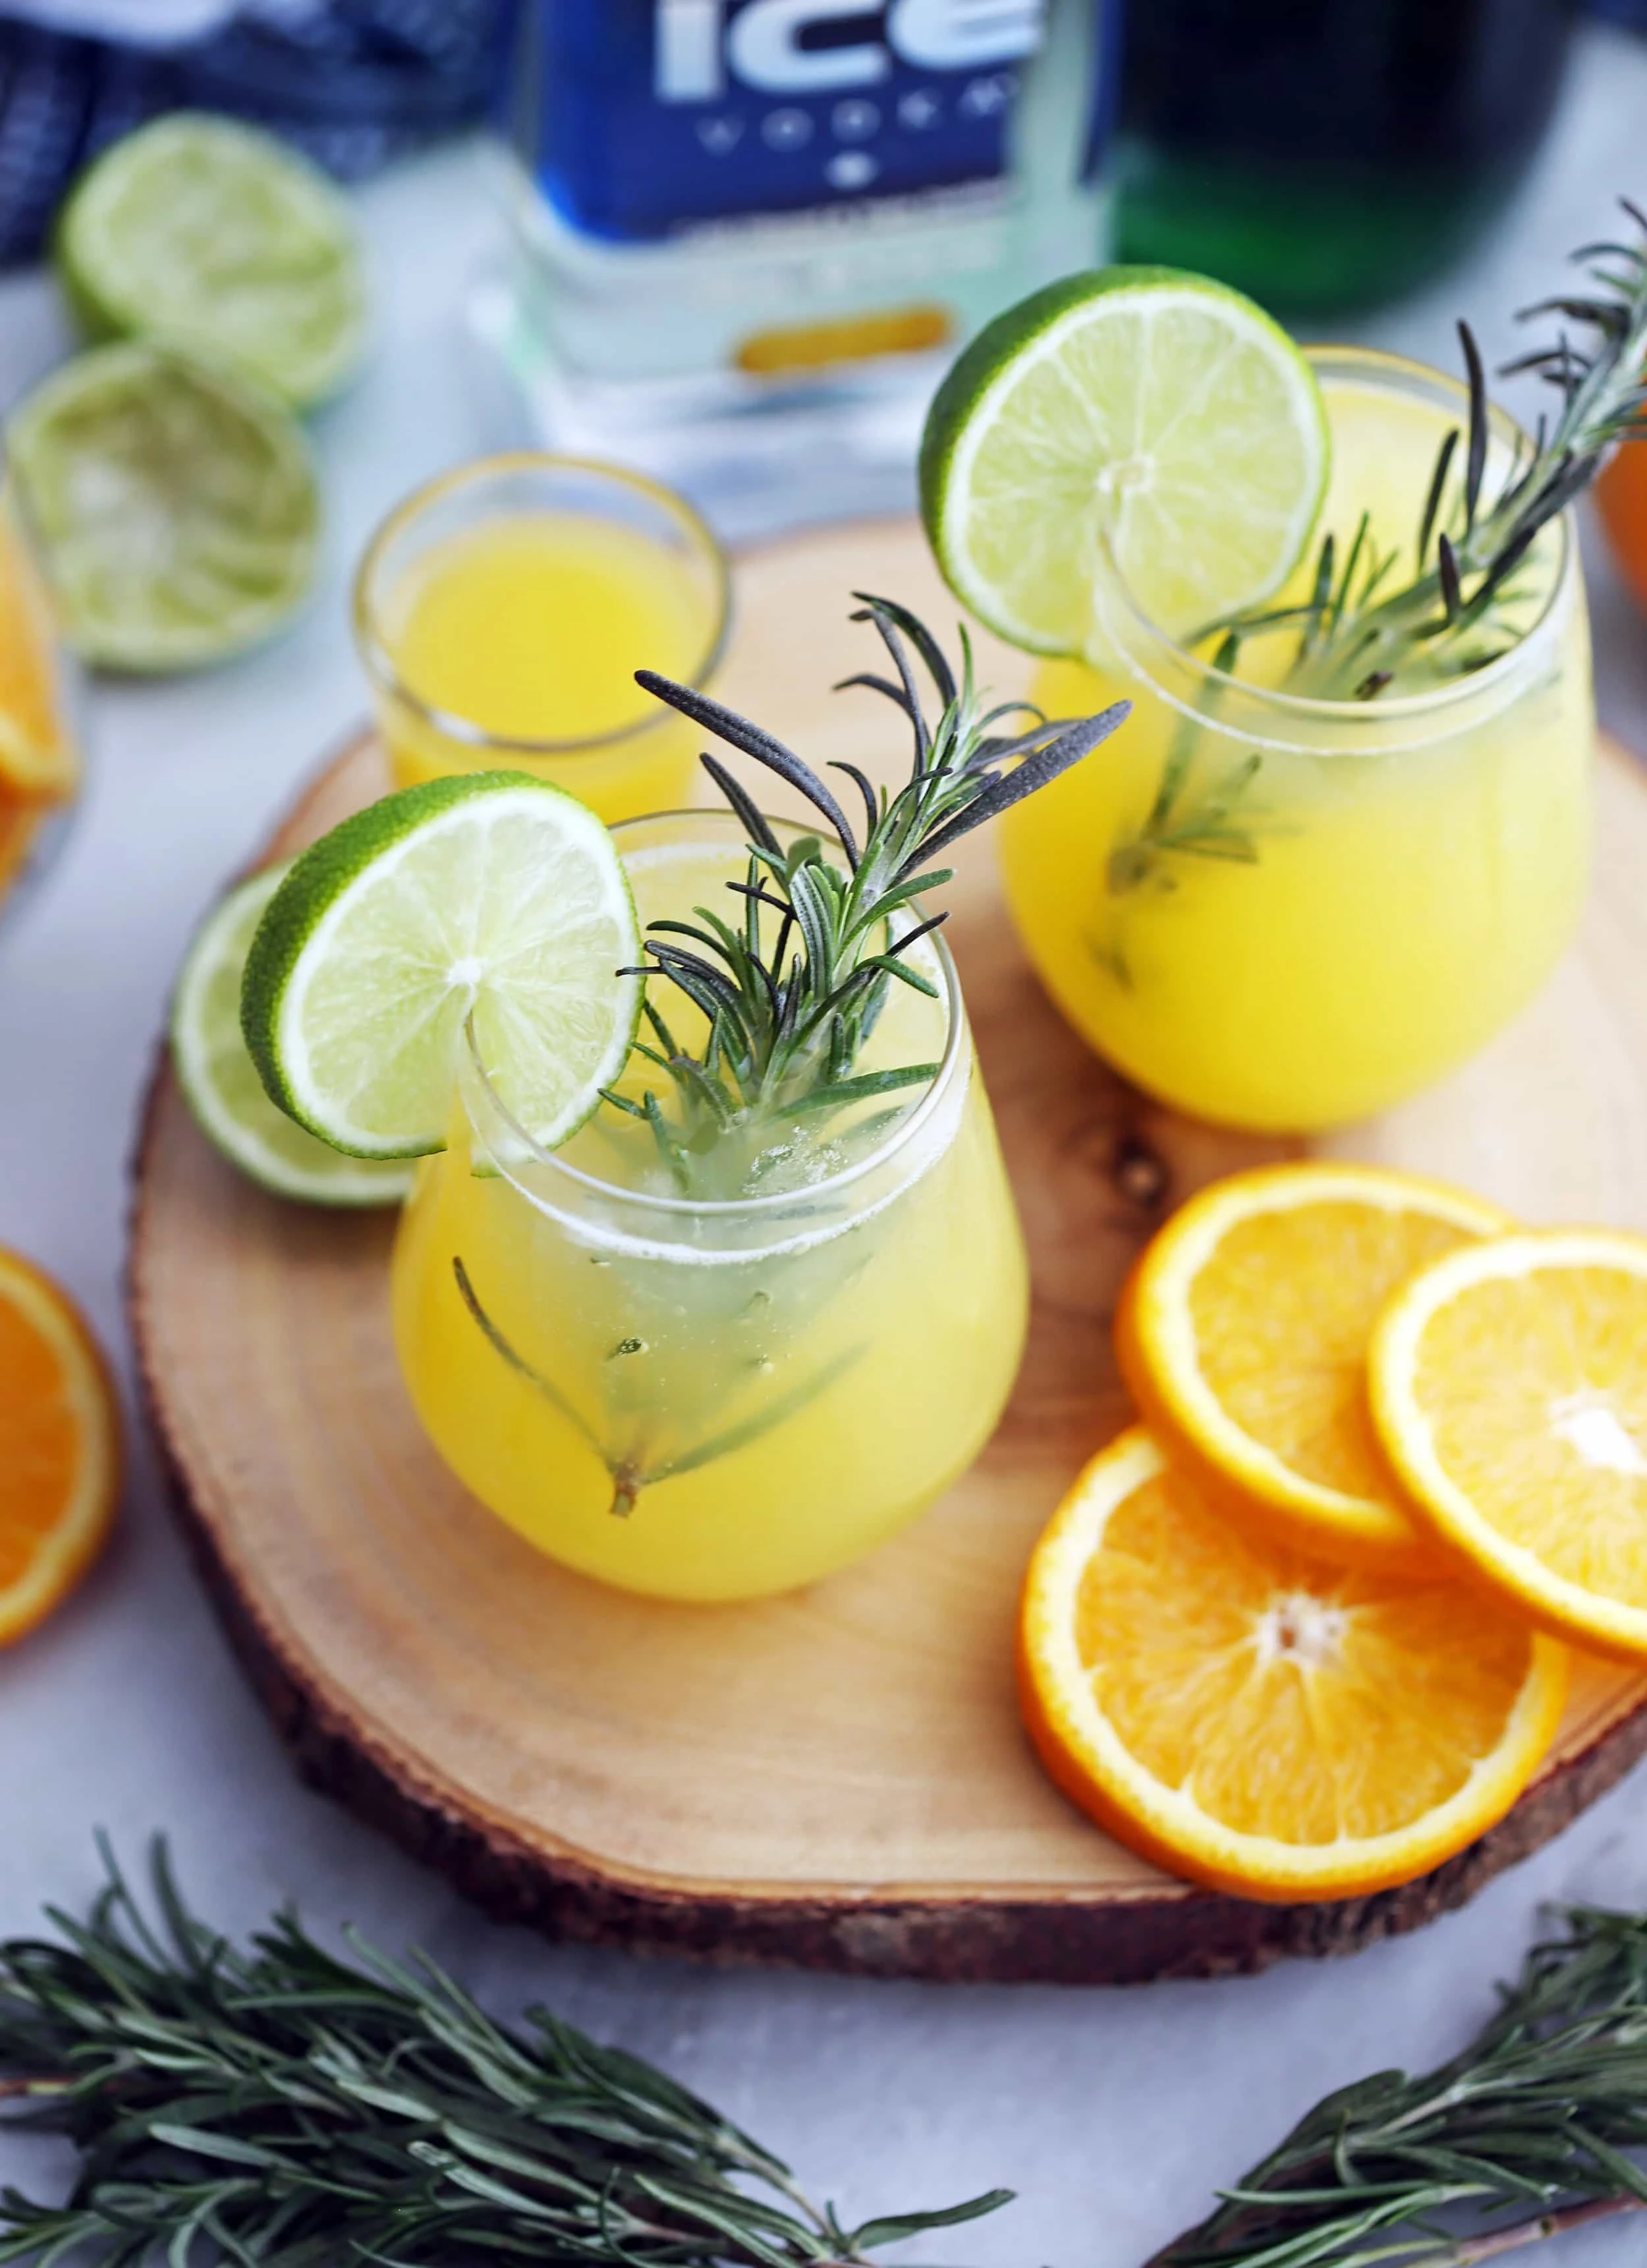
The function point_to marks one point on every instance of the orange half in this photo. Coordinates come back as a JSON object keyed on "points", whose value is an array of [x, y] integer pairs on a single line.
{"points": [[1260, 1722], [59, 1447]]}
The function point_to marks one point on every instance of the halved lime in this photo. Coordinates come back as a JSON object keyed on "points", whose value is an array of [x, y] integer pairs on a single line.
{"points": [[490, 895], [175, 503], [1163, 409], [216, 236], [220, 1081]]}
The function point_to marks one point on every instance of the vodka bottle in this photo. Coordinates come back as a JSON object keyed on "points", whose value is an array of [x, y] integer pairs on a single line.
{"points": [[751, 233]]}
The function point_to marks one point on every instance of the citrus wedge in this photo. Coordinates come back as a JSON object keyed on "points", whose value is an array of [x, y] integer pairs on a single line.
{"points": [[1156, 410], [221, 1083], [1242, 1337], [1260, 1722], [1509, 1386], [59, 1447], [489, 900], [36, 748]]}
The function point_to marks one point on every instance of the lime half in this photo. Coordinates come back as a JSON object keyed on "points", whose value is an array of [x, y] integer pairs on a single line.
{"points": [[176, 505], [489, 896], [217, 237], [1163, 409], [220, 1081]]}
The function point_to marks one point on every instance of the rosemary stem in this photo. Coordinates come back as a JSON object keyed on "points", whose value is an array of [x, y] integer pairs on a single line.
{"points": [[1469, 2249]]}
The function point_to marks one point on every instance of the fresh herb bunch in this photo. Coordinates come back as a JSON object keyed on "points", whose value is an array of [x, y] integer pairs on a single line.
{"points": [[285, 2108], [1523, 2136], [1357, 635], [790, 1000]]}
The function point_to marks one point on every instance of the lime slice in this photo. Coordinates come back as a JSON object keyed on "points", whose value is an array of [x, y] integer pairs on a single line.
{"points": [[1162, 407], [489, 895], [176, 506], [216, 237], [220, 1081]]}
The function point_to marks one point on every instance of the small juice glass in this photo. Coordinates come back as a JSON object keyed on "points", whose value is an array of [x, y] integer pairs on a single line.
{"points": [[1285, 913], [719, 1399], [501, 611], [39, 740]]}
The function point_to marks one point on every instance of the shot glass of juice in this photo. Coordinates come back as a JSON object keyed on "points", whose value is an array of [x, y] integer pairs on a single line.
{"points": [[500, 611], [39, 751], [1282, 912], [718, 1395]]}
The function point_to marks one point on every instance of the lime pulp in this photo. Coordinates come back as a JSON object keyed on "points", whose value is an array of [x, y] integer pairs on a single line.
{"points": [[492, 900], [220, 238], [220, 1081], [175, 504], [1161, 413]]}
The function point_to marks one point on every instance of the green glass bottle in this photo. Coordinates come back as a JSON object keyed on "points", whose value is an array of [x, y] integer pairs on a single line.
{"points": [[1328, 154]]}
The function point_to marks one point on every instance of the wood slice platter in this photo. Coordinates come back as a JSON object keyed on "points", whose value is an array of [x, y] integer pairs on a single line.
{"points": [[835, 1778]]}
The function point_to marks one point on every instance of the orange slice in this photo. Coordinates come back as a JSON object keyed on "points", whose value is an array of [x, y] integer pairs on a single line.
{"points": [[1259, 1721], [36, 749], [20, 818], [59, 1447], [1243, 1334], [1509, 1383]]}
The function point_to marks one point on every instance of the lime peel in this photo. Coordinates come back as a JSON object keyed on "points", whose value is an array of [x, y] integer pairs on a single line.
{"points": [[217, 237], [175, 506], [222, 1087], [1154, 408], [490, 899]]}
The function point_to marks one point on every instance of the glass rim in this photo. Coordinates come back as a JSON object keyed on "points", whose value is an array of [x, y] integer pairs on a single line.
{"points": [[772, 1202], [379, 662], [1313, 708]]}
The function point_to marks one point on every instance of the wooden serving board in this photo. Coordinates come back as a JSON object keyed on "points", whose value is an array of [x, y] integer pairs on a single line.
{"points": [[838, 1777]]}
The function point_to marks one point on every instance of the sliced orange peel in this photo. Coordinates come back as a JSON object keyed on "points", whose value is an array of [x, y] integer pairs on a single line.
{"points": [[60, 1447], [1261, 1723], [1242, 1337], [1509, 1385]]}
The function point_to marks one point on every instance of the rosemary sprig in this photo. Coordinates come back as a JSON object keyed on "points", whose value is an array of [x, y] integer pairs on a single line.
{"points": [[1521, 2137], [1357, 636], [789, 987], [1363, 630], [635, 1468], [285, 2108]]}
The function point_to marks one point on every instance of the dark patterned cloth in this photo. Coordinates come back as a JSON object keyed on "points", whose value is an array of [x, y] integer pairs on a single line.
{"points": [[354, 83]]}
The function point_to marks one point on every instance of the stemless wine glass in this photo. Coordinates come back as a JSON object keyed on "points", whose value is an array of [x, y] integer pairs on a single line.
{"points": [[718, 1398], [1285, 913], [502, 611], [40, 709]]}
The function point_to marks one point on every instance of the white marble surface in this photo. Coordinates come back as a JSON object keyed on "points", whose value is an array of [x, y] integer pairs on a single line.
{"points": [[1112, 2113]]}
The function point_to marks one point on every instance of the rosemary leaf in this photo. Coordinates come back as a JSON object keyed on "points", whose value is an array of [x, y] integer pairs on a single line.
{"points": [[1354, 648], [788, 1008], [283, 2107], [1526, 2134]]}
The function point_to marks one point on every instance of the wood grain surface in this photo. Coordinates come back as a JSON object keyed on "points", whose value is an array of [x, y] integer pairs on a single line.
{"points": [[838, 1777]]}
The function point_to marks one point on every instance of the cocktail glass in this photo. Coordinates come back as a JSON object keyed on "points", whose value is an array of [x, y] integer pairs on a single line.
{"points": [[499, 612], [1285, 913], [714, 1398]]}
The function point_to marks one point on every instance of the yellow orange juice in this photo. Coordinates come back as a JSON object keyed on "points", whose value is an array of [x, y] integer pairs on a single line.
{"points": [[1285, 914], [714, 1398], [503, 613]]}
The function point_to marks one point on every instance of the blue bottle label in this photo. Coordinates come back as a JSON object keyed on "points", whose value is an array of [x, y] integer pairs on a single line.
{"points": [[640, 119]]}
